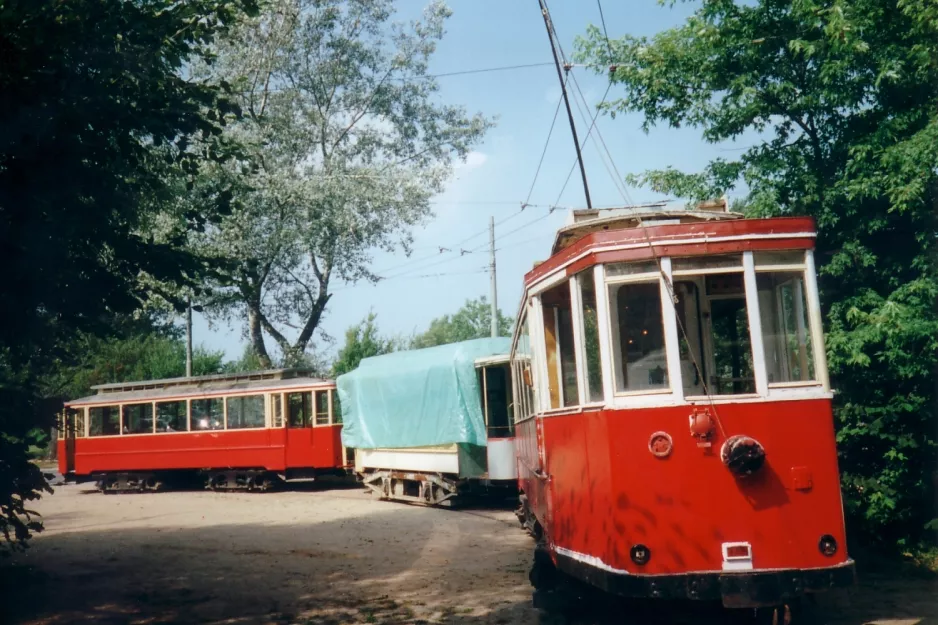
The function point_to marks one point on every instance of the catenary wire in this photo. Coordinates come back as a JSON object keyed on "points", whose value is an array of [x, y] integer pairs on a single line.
{"points": [[547, 142]]}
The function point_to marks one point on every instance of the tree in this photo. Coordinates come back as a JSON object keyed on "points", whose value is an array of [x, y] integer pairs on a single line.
{"points": [[145, 356], [843, 99], [97, 126], [249, 361], [361, 341], [472, 321], [348, 146]]}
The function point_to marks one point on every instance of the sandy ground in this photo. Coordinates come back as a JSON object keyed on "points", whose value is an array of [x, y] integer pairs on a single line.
{"points": [[317, 554]]}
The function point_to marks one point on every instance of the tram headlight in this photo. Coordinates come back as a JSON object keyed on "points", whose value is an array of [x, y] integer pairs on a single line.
{"points": [[640, 554], [827, 545]]}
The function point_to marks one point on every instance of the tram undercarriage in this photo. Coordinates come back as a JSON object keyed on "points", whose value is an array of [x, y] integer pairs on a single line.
{"points": [[433, 489], [429, 489], [219, 480]]}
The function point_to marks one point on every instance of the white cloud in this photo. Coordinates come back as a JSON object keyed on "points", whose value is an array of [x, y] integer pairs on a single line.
{"points": [[474, 160]]}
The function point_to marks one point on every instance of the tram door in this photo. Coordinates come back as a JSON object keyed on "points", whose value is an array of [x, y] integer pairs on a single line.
{"points": [[71, 424], [299, 452]]}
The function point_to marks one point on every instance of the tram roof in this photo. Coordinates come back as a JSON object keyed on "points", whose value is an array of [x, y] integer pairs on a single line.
{"points": [[199, 385], [586, 221]]}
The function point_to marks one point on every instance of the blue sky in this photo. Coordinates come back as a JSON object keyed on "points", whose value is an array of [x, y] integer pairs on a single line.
{"points": [[499, 173]]}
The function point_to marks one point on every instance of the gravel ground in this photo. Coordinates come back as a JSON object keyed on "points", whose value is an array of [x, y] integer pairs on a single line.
{"points": [[317, 554]]}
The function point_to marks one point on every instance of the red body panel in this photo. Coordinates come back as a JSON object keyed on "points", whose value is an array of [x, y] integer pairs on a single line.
{"points": [[607, 492], [274, 449]]}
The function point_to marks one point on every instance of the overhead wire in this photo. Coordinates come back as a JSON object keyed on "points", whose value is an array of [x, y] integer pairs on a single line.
{"points": [[618, 181], [617, 177], [547, 142], [582, 145]]}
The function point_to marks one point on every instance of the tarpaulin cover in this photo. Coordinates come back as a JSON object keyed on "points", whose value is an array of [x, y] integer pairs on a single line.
{"points": [[417, 398]]}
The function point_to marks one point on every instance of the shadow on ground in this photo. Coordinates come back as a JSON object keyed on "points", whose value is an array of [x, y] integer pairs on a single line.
{"points": [[400, 565]]}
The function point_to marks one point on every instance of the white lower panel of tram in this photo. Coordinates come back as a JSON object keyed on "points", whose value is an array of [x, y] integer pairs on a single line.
{"points": [[500, 454], [413, 459]]}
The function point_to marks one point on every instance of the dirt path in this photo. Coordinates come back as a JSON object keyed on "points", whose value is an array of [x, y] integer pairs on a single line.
{"points": [[312, 556]]}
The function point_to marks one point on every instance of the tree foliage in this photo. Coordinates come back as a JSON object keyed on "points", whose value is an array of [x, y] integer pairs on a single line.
{"points": [[347, 144], [97, 127], [140, 356], [472, 321], [362, 341], [842, 99]]}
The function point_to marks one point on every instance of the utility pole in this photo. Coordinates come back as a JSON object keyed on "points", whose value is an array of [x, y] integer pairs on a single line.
{"points": [[492, 275], [189, 337], [566, 100]]}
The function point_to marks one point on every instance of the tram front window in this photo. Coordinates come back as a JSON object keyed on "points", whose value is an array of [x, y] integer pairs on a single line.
{"points": [[785, 329], [640, 361], [713, 326]]}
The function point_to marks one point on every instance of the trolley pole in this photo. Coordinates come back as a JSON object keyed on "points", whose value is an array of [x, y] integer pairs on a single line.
{"points": [[492, 275], [566, 99], [189, 337]]}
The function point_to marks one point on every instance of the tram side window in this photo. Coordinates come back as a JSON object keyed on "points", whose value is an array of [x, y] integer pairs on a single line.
{"points": [[207, 414], [277, 404], [594, 371], [138, 418], [558, 339], [246, 412], [336, 407], [640, 360], [104, 421], [786, 333], [298, 410], [74, 424], [172, 416], [523, 374], [322, 407]]}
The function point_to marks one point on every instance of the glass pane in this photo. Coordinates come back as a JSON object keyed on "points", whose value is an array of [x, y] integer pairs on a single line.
{"points": [[246, 412], [497, 388], [630, 269], [690, 337], [278, 410], [571, 394], [638, 337], [788, 257], [207, 414], [322, 407], [726, 261], [524, 373], [594, 373], [558, 343], [732, 350], [298, 410], [785, 331], [105, 421], [138, 418], [336, 407], [171, 416]]}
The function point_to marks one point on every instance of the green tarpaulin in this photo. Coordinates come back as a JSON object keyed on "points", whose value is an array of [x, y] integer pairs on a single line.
{"points": [[418, 397]]}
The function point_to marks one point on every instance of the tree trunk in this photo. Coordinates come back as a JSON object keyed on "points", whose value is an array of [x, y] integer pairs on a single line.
{"points": [[257, 337]]}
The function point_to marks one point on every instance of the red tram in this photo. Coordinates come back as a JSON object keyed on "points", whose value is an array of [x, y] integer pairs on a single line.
{"points": [[673, 410], [238, 431]]}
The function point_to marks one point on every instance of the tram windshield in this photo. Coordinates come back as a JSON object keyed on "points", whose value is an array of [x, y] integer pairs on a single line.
{"points": [[719, 325]]}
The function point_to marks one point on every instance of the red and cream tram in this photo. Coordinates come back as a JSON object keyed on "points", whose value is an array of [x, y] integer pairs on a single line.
{"points": [[237, 431], [673, 410]]}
